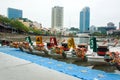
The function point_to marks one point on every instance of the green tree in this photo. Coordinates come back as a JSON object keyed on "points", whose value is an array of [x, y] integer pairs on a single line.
{"points": [[19, 25], [96, 34], [4, 20]]}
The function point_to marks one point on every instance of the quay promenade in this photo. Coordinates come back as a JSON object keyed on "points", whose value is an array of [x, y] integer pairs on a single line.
{"points": [[13, 68]]}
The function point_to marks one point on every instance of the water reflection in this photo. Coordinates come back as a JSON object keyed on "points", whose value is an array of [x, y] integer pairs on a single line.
{"points": [[78, 40], [83, 40], [102, 66]]}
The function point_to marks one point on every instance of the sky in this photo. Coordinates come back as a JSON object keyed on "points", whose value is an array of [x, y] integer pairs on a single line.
{"points": [[101, 11]]}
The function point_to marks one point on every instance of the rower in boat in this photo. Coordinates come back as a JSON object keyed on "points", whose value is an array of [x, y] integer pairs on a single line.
{"points": [[15, 44], [78, 51], [113, 58], [81, 51], [58, 49]]}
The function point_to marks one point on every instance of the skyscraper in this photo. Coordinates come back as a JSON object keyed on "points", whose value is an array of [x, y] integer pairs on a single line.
{"points": [[57, 17], [85, 20], [14, 13]]}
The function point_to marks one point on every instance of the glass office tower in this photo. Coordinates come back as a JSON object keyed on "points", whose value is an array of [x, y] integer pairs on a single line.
{"points": [[14, 13], [85, 20]]}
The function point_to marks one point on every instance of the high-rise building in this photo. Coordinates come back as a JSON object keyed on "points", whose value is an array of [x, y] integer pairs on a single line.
{"points": [[85, 20], [14, 13], [57, 17]]}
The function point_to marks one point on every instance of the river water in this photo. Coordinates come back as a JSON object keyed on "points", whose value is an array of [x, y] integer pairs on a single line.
{"points": [[79, 40]]}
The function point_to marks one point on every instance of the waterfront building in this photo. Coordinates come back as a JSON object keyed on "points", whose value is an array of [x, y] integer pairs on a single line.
{"points": [[14, 13], [84, 20], [107, 29], [26, 22], [57, 17], [93, 29], [110, 24], [29, 23], [102, 29]]}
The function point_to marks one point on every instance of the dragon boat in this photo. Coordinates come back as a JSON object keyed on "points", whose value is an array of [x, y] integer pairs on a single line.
{"points": [[65, 50], [112, 57], [105, 54], [68, 50]]}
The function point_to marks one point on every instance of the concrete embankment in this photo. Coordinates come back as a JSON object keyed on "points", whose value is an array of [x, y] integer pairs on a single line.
{"points": [[21, 37], [13, 68]]}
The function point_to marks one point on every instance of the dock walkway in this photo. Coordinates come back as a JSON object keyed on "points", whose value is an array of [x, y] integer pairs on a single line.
{"points": [[12, 68]]}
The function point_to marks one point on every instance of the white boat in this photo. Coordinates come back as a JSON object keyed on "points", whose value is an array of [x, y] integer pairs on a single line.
{"points": [[97, 57], [94, 58]]}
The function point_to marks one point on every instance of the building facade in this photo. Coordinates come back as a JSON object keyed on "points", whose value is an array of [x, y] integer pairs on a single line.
{"points": [[110, 24], [107, 29], [57, 17], [85, 20], [93, 29], [14, 13], [28, 23]]}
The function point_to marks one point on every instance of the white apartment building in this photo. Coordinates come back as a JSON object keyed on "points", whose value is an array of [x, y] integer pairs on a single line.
{"points": [[57, 17]]}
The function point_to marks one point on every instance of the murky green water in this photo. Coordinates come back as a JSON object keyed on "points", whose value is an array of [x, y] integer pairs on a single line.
{"points": [[101, 66]]}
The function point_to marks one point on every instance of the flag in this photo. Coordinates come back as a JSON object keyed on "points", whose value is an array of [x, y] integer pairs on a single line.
{"points": [[71, 43], [39, 40], [93, 44], [53, 41], [28, 39]]}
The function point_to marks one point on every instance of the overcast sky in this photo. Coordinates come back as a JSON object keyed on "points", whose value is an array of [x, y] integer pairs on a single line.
{"points": [[101, 11]]}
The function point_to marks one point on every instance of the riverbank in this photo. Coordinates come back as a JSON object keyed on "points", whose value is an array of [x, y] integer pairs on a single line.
{"points": [[21, 37]]}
